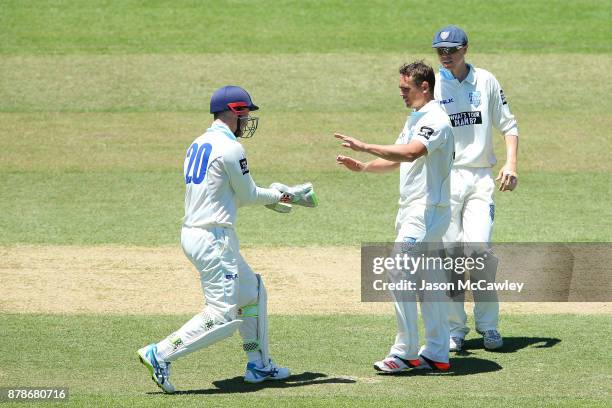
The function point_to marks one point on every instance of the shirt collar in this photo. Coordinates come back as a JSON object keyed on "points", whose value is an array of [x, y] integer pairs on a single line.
{"points": [[416, 115], [425, 108], [448, 75], [471, 78], [221, 127]]}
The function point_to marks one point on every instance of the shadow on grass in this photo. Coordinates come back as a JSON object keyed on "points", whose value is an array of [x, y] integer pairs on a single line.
{"points": [[237, 384], [459, 366], [511, 344]]}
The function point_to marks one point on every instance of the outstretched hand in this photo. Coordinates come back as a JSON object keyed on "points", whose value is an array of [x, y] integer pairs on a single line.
{"points": [[351, 142], [350, 163]]}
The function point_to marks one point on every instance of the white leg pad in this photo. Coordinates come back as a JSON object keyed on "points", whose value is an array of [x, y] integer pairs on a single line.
{"points": [[262, 320], [199, 332]]}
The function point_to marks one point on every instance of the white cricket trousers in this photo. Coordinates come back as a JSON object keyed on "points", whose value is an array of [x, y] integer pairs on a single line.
{"points": [[228, 283], [472, 217], [420, 223]]}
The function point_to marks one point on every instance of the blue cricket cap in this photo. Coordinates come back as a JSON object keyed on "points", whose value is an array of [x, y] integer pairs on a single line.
{"points": [[230, 94], [449, 36]]}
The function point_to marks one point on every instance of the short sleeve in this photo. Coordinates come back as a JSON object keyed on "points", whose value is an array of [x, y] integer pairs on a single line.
{"points": [[500, 113], [432, 135]]}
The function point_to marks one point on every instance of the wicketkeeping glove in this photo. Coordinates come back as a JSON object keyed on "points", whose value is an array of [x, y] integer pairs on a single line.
{"points": [[302, 194], [283, 208]]}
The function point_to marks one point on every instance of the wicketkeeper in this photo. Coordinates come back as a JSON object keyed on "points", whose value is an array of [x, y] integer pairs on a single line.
{"points": [[218, 181]]}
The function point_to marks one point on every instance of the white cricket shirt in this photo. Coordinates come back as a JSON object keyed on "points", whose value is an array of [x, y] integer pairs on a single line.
{"points": [[218, 181], [474, 106], [427, 179]]}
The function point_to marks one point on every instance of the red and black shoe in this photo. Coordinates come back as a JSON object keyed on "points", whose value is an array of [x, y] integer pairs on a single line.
{"points": [[429, 364]]}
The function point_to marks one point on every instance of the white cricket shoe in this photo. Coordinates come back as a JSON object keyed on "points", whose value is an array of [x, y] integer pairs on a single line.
{"points": [[456, 343], [255, 374], [160, 370], [492, 339], [393, 364]]}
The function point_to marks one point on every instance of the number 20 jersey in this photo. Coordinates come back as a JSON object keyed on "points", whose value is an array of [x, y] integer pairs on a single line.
{"points": [[474, 106], [218, 180]]}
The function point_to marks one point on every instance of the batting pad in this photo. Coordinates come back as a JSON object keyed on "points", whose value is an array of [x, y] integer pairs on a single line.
{"points": [[262, 320], [248, 330], [251, 345], [198, 333]]}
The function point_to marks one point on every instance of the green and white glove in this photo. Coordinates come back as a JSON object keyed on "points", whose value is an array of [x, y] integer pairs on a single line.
{"points": [[282, 208], [302, 194]]}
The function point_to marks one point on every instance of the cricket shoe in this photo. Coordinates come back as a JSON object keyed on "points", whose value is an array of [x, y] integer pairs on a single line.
{"points": [[428, 364], [456, 343], [160, 370], [255, 374], [492, 339], [394, 364]]}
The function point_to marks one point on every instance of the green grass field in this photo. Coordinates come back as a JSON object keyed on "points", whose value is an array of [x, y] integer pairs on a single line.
{"points": [[99, 101], [558, 361]]}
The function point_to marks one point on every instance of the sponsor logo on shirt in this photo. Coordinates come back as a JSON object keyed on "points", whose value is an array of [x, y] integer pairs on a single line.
{"points": [[447, 101], [474, 98], [503, 97], [243, 166], [425, 132], [466, 118]]}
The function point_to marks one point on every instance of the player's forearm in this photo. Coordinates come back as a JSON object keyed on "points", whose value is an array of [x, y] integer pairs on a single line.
{"points": [[511, 150], [267, 196], [250, 194], [394, 153], [380, 166]]}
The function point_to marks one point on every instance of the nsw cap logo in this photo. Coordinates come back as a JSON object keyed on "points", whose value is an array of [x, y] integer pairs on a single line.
{"points": [[444, 35], [474, 98]]}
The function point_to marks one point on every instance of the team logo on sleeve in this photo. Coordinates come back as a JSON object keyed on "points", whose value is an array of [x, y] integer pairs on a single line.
{"points": [[503, 97], [425, 132], [474, 98], [243, 166]]}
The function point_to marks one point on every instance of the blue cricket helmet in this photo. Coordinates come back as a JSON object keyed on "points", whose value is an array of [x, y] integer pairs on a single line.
{"points": [[234, 95]]}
